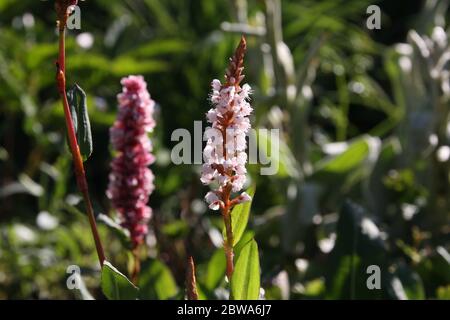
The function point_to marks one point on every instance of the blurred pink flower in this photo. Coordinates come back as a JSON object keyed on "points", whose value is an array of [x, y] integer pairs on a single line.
{"points": [[131, 181]]}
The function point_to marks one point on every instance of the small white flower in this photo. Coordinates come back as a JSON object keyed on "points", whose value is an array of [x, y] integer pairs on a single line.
{"points": [[244, 197], [238, 182], [216, 85], [207, 174], [211, 115], [245, 91], [213, 200], [211, 197]]}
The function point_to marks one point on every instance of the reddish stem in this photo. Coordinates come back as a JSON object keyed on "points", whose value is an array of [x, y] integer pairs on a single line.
{"points": [[226, 214], [228, 243], [75, 150], [136, 266]]}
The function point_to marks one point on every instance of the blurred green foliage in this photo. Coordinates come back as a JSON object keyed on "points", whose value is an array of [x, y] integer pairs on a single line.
{"points": [[361, 178]]}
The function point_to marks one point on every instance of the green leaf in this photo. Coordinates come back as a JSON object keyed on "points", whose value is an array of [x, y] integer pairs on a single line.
{"points": [[115, 285], [411, 282], [315, 288], [80, 119], [178, 228], [3, 154], [343, 277], [215, 270], [248, 236], [161, 47], [239, 217], [122, 233], [379, 194], [280, 156], [337, 174], [245, 281], [162, 15], [443, 293], [346, 161], [156, 281], [359, 244], [127, 65]]}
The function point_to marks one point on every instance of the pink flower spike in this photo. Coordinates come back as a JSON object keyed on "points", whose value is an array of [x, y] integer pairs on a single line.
{"points": [[224, 154], [131, 181]]}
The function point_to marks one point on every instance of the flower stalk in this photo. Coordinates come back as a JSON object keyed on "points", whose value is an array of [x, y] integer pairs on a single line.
{"points": [[224, 154], [228, 244], [62, 9]]}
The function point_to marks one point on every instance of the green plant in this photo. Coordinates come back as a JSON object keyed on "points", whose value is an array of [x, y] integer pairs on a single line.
{"points": [[362, 178]]}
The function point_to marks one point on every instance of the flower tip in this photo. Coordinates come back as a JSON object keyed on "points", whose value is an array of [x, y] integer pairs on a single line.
{"points": [[243, 42], [233, 73], [216, 84], [134, 83]]}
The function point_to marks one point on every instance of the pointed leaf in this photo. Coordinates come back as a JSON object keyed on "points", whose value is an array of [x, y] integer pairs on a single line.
{"points": [[215, 270], [239, 217], [122, 233], [278, 152], [80, 119], [115, 285], [245, 281]]}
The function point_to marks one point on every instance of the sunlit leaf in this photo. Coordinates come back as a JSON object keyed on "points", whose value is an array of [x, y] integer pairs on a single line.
{"points": [[156, 281], [115, 285], [216, 270], [245, 281], [239, 217]]}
